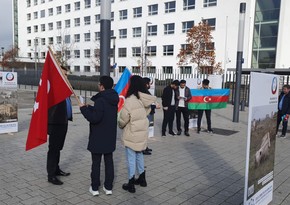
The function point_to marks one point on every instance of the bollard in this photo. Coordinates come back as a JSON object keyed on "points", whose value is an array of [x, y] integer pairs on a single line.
{"points": [[243, 104]]}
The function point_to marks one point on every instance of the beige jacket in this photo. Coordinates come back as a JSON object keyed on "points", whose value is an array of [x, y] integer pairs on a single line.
{"points": [[133, 119]]}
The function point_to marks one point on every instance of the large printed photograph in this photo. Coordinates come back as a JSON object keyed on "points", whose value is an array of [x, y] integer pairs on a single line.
{"points": [[8, 106], [262, 147]]}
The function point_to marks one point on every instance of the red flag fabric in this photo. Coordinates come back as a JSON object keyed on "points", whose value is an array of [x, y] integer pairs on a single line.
{"points": [[52, 89]]}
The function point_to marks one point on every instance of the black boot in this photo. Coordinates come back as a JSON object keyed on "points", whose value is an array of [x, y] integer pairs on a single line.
{"points": [[130, 187], [141, 180]]}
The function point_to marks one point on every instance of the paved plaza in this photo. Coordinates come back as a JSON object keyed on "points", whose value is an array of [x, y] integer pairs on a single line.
{"points": [[201, 169]]}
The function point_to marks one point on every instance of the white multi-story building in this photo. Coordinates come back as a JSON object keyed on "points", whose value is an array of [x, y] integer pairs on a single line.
{"points": [[74, 25]]}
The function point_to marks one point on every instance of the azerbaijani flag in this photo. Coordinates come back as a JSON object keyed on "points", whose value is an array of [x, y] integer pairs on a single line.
{"points": [[207, 99], [122, 87]]}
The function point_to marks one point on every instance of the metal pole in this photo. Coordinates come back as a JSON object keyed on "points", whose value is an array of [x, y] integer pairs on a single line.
{"points": [[144, 72], [114, 55], [35, 60], [105, 37], [239, 62]]}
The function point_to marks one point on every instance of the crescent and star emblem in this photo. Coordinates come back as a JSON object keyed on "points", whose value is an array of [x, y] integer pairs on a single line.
{"points": [[206, 99]]}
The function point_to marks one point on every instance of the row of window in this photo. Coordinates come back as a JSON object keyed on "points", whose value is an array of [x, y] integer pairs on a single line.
{"points": [[169, 28], [123, 14]]}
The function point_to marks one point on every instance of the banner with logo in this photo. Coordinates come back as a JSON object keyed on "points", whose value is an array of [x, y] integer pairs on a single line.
{"points": [[259, 173], [8, 102]]}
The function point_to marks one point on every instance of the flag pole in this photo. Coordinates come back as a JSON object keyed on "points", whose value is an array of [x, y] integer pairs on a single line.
{"points": [[64, 77]]}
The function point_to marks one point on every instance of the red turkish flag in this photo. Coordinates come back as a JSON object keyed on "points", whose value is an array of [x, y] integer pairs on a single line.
{"points": [[52, 89]]}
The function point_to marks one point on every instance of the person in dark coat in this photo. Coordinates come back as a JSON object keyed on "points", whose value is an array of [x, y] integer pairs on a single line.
{"points": [[103, 130], [283, 110], [168, 102], [58, 117]]}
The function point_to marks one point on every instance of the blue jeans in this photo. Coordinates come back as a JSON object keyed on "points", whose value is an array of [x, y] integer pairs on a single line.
{"points": [[134, 160]]}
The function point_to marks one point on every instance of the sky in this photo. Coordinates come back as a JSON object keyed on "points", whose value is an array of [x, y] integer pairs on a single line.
{"points": [[5, 24]]}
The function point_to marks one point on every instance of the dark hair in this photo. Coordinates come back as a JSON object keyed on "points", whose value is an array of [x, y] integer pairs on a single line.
{"points": [[286, 86], [107, 82], [205, 82], [175, 82], [64, 68], [147, 80], [182, 81], [136, 85]]}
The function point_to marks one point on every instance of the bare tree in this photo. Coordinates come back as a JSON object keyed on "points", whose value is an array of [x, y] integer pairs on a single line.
{"points": [[199, 49], [141, 62], [10, 59], [95, 58]]}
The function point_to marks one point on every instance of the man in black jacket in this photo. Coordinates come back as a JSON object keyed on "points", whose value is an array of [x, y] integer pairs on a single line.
{"points": [[183, 95], [168, 103], [103, 130], [58, 117], [283, 110]]}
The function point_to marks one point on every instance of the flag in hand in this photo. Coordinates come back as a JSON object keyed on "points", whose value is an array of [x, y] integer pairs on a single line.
{"points": [[122, 87], [53, 88]]}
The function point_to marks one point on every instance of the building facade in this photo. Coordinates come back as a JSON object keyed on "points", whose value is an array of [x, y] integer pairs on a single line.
{"points": [[74, 26]]}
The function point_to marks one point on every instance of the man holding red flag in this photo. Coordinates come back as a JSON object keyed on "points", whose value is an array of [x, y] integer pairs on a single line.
{"points": [[53, 89]]}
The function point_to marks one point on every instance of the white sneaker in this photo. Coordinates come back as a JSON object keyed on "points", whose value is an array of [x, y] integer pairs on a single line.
{"points": [[108, 192], [94, 193]]}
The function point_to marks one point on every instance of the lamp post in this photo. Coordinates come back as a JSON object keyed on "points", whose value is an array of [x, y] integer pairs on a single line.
{"points": [[35, 52], [2, 48], [145, 53], [114, 54]]}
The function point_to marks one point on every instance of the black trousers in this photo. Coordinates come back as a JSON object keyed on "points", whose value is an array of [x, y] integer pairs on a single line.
{"points": [[168, 118], [185, 113], [284, 123], [208, 118], [109, 171], [57, 134]]}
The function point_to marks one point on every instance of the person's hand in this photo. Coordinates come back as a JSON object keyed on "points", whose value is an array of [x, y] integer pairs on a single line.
{"points": [[179, 97], [185, 98], [286, 117], [81, 105], [165, 108], [157, 105]]}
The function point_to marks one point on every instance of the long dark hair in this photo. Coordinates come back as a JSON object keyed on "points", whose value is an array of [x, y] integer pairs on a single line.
{"points": [[136, 85]]}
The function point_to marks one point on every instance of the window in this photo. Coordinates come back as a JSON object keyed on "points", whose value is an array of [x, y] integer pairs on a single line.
{"points": [[151, 69], [170, 7], [98, 2], [87, 68], [136, 51], [211, 22], [35, 2], [208, 3], [87, 20], [77, 38], [28, 17], [187, 48], [67, 23], [187, 25], [151, 50], [35, 14], [58, 10], [67, 54], [169, 28], [28, 42], [67, 39], [136, 32], [67, 8], [35, 29], [50, 11], [43, 41], [97, 36], [188, 4], [152, 30], [136, 69], [42, 27], [42, 1], [97, 18], [112, 33], [121, 69], [50, 40], [77, 53], [50, 26], [58, 24], [29, 29], [77, 6], [77, 22], [28, 3], [42, 55], [122, 52], [122, 33], [153, 9], [87, 4], [167, 69], [137, 12], [36, 41], [123, 14], [87, 36], [58, 39], [168, 50], [87, 53], [208, 46], [112, 16], [77, 68], [185, 70], [42, 13]]}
